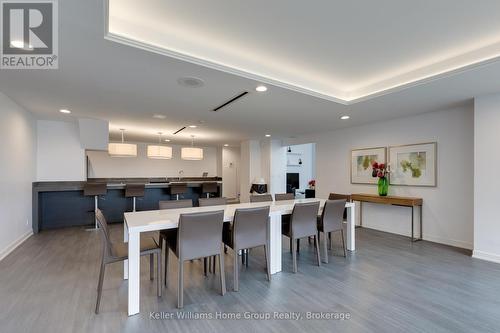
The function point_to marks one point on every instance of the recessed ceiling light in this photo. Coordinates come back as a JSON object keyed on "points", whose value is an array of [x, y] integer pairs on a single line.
{"points": [[268, 135], [167, 140], [65, 111], [261, 88], [190, 82], [192, 126], [226, 145], [345, 117], [159, 116]]}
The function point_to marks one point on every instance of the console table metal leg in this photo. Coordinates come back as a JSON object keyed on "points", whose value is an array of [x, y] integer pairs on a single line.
{"points": [[412, 224], [361, 213], [412, 216], [421, 233]]}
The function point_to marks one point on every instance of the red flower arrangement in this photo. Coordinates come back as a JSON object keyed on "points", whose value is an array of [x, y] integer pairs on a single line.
{"points": [[312, 183], [379, 170]]}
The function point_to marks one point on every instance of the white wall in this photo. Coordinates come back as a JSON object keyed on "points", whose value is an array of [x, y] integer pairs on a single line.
{"points": [[17, 172], [230, 172], [250, 166], [59, 154], [448, 208], [486, 183], [104, 166], [307, 169]]}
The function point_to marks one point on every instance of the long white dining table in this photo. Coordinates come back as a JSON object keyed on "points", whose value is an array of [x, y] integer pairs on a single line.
{"points": [[154, 220]]}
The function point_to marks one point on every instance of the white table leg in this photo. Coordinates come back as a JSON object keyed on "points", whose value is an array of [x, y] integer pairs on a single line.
{"points": [[351, 224], [134, 272], [125, 262], [275, 243]]}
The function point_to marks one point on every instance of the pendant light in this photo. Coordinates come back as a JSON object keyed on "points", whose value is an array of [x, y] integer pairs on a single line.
{"points": [[158, 151], [122, 149], [192, 153]]}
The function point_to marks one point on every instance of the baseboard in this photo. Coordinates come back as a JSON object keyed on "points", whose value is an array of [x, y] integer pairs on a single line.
{"points": [[486, 256], [450, 242], [4, 253]]}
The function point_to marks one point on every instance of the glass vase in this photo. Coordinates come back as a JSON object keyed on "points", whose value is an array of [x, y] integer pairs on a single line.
{"points": [[383, 186]]}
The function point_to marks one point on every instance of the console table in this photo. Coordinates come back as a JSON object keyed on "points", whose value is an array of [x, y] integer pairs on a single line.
{"points": [[395, 201]]}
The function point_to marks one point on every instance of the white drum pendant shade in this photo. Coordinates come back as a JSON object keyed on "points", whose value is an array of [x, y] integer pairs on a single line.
{"points": [[192, 153], [122, 150], [160, 152]]}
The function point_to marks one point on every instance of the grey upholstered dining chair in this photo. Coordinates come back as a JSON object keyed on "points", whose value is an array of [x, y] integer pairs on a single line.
{"points": [[261, 198], [284, 196], [249, 230], [113, 251], [199, 235], [169, 233], [205, 202], [173, 204], [212, 202], [337, 196], [303, 223], [285, 219], [331, 220]]}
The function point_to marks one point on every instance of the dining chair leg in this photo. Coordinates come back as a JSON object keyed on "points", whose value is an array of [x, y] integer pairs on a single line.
{"points": [[158, 272], [330, 241], [99, 287], [166, 264], [316, 245], [246, 257], [205, 260], [343, 242], [298, 245], [294, 256], [151, 266], [325, 246], [291, 245], [268, 268], [235, 271], [180, 289], [213, 264], [309, 240], [222, 274]]}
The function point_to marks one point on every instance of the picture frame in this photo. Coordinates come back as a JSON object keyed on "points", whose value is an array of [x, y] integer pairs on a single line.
{"points": [[361, 164], [413, 164]]}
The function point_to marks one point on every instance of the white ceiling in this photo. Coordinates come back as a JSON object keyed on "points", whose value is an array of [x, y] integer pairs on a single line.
{"points": [[99, 78], [345, 51]]}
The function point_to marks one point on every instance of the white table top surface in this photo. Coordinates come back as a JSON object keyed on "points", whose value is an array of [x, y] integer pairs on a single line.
{"points": [[151, 220]]}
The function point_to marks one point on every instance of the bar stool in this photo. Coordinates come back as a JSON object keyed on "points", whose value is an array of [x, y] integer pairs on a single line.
{"points": [[133, 191], [95, 190], [209, 188], [179, 188]]}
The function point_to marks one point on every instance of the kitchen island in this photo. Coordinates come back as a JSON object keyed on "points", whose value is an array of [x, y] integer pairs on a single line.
{"points": [[62, 204]]}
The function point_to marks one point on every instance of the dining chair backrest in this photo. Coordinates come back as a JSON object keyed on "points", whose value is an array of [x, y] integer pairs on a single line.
{"points": [[104, 231], [333, 215], [199, 234], [261, 198], [250, 227], [173, 204], [337, 196], [284, 196], [303, 221], [212, 202]]}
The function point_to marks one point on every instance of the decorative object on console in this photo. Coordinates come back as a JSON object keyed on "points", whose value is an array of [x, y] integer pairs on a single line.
{"points": [[259, 186], [362, 161], [312, 184], [414, 164], [381, 171]]}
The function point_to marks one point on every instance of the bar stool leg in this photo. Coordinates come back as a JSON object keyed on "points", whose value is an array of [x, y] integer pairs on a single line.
{"points": [[133, 204], [96, 207]]}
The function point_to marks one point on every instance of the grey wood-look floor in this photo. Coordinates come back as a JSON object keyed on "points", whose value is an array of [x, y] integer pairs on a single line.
{"points": [[48, 284]]}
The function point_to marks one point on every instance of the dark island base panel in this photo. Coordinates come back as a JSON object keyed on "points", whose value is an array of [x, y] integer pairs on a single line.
{"points": [[72, 208]]}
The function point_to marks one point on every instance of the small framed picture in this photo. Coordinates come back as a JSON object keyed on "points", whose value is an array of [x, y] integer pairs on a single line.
{"points": [[413, 165], [361, 164]]}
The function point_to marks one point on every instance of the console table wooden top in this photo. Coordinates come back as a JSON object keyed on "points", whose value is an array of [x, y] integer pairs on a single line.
{"points": [[388, 200]]}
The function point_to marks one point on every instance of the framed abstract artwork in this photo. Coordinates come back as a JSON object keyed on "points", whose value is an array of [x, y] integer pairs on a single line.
{"points": [[361, 164], [413, 165]]}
